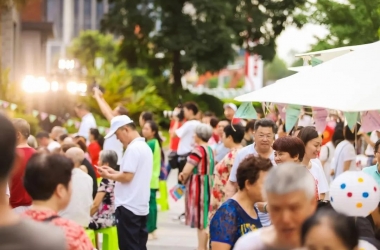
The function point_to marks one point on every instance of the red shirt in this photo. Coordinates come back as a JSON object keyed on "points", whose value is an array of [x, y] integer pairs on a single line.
{"points": [[19, 196], [76, 237], [236, 121], [94, 151], [174, 141]]}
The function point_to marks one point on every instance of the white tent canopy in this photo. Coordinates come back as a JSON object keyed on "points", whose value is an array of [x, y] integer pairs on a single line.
{"points": [[348, 83], [326, 55]]}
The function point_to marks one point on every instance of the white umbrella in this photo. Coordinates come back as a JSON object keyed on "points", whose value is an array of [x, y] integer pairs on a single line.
{"points": [[348, 83], [326, 55]]}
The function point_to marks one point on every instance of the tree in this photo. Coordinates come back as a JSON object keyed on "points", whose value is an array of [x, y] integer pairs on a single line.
{"points": [[275, 70], [196, 32], [90, 45], [117, 82], [353, 22]]}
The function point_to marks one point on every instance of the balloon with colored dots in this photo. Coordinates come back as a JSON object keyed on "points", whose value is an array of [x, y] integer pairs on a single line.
{"points": [[354, 193], [365, 245]]}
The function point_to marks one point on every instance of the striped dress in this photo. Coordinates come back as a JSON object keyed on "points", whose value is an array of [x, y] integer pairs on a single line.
{"points": [[199, 187]]}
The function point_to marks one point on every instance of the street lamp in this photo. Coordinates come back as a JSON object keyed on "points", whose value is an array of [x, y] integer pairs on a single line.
{"points": [[64, 64]]}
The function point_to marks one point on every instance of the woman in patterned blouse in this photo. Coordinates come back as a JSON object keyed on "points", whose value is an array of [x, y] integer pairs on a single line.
{"points": [[103, 207], [232, 137]]}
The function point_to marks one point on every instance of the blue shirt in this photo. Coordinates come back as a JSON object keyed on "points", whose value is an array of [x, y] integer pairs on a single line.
{"points": [[374, 172], [230, 222]]}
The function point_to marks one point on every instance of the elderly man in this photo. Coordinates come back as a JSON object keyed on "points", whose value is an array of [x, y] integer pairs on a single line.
{"points": [[290, 192], [56, 132], [264, 137], [132, 189], [80, 204]]}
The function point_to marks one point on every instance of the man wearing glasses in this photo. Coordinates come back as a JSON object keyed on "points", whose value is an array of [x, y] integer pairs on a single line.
{"points": [[264, 136]]}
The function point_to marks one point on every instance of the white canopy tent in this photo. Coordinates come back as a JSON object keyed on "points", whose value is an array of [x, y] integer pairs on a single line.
{"points": [[350, 82], [326, 55]]}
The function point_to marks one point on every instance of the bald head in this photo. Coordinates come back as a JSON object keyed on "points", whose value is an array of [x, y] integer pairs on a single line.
{"points": [[76, 155], [57, 131]]}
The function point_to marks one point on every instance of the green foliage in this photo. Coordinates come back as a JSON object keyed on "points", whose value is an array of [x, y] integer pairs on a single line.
{"points": [[119, 89], [213, 82], [91, 44], [276, 70], [195, 32], [206, 103], [352, 23]]}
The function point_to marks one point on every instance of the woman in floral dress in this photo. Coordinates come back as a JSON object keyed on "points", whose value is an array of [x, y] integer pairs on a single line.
{"points": [[197, 175], [232, 137], [103, 207]]}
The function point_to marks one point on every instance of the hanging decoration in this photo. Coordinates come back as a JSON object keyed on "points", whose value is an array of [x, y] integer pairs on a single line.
{"points": [[246, 111], [292, 114], [320, 119], [351, 118]]}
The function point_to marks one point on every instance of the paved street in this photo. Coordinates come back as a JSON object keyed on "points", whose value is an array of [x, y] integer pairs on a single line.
{"points": [[173, 235]]}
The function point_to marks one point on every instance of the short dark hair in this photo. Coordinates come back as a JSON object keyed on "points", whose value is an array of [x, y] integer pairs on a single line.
{"points": [[343, 226], [132, 126], [147, 116], [250, 125], [235, 131], [214, 122], [121, 110], [250, 168], [265, 123], [337, 136], [63, 137], [290, 144], [44, 172], [307, 134], [42, 134], [350, 135], [22, 126], [191, 106], [208, 114], [7, 146], [376, 148]]}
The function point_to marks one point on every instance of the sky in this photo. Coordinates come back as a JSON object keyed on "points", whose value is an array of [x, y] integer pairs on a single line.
{"points": [[298, 40]]}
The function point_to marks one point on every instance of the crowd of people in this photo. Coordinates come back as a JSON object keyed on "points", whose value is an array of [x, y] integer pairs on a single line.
{"points": [[250, 185]]}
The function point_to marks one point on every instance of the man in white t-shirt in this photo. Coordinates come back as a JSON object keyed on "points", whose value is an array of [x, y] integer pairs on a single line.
{"points": [[290, 192], [87, 120], [132, 188], [344, 155], [111, 143], [186, 133], [264, 137]]}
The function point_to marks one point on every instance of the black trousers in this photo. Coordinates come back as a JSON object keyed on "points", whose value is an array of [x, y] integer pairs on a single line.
{"points": [[131, 230]]}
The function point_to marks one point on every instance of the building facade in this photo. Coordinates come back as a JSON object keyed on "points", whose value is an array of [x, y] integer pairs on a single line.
{"points": [[70, 17]]}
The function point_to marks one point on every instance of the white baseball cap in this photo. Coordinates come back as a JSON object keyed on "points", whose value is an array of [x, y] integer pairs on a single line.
{"points": [[116, 123], [230, 105]]}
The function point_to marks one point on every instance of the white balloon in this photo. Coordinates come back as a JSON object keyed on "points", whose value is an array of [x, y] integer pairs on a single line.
{"points": [[365, 245], [354, 193]]}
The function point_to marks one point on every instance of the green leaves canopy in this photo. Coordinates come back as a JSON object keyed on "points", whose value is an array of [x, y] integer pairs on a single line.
{"points": [[206, 34]]}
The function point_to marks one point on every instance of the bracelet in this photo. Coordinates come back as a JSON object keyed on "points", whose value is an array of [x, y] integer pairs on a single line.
{"points": [[265, 208]]}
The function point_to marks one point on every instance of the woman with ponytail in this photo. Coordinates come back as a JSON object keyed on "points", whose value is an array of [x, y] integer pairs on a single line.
{"points": [[151, 134], [95, 146]]}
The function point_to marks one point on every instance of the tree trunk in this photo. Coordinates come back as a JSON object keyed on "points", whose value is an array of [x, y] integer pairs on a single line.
{"points": [[176, 71]]}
